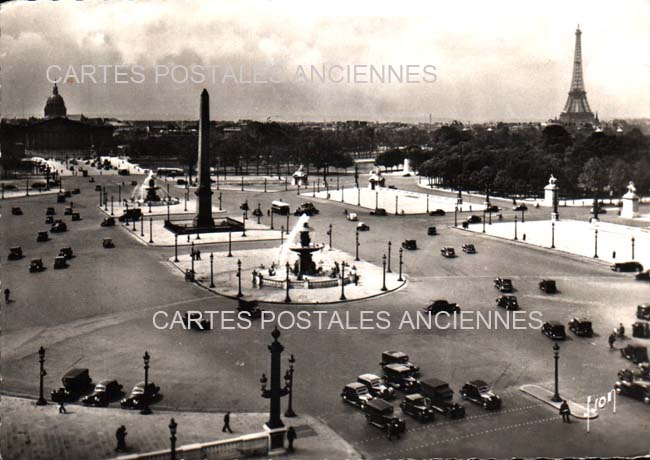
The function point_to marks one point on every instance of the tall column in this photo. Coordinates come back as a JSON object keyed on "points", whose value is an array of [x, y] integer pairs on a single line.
{"points": [[203, 216]]}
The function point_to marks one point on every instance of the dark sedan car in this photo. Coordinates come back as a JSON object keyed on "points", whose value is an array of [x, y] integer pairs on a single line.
{"points": [[643, 311], [503, 284], [478, 392], [581, 327], [410, 245], [638, 389], [635, 353], [554, 330], [634, 267], [379, 212], [357, 394], [136, 398], [469, 248], [441, 305], [418, 406], [474, 219], [509, 302], [448, 252], [521, 207], [105, 392], [548, 286], [401, 378], [437, 212], [58, 227]]}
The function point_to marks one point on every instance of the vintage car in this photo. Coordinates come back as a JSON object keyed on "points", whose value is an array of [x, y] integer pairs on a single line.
{"points": [[581, 327], [130, 215], [376, 386], [418, 406], [492, 208], [98, 188], [305, 208], [437, 212], [643, 276], [49, 220], [503, 284], [448, 252], [104, 392], [548, 286], [66, 252], [554, 330], [36, 265], [60, 197], [60, 262], [76, 216], [76, 191], [635, 353], [411, 245], [58, 227], [352, 216], [136, 399], [16, 211], [68, 211], [357, 394], [362, 227], [638, 389], [635, 267], [15, 253], [508, 301], [643, 311], [91, 180], [398, 357], [378, 212], [380, 414], [250, 308], [431, 231], [195, 321], [521, 207], [441, 397], [76, 382], [441, 305], [108, 243], [42, 236], [469, 248], [401, 378], [50, 212], [642, 372], [108, 222], [478, 392], [474, 219]]}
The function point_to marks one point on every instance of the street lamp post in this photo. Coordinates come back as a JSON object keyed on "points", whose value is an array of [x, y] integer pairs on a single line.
{"points": [[288, 377], [523, 210], [239, 293], [390, 244], [119, 193], [287, 299], [112, 206], [632, 248], [401, 251], [383, 262], [552, 235], [243, 225], [142, 225], [272, 217], [329, 234], [230, 244], [146, 410], [376, 199], [456, 216], [515, 228], [172, 431], [150, 230], [556, 357], [358, 195], [259, 213], [396, 204], [342, 281], [187, 192], [220, 198], [483, 220], [211, 270], [41, 359], [274, 394], [175, 247], [287, 227], [595, 243], [192, 256], [356, 236]]}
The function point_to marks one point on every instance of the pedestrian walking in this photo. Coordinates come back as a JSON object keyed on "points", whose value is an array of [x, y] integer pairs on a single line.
{"points": [[565, 412], [120, 435], [291, 437], [7, 295], [62, 408], [226, 423], [613, 254], [611, 340]]}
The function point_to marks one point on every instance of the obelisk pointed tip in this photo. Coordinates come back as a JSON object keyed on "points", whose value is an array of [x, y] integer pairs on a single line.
{"points": [[205, 91]]}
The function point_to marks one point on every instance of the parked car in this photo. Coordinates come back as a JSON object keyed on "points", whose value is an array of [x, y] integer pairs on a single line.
{"points": [[68, 211], [376, 386], [378, 212], [401, 378], [503, 284], [76, 191], [16, 211], [58, 227], [357, 394], [554, 330], [306, 208], [129, 215], [108, 243], [431, 231], [437, 212], [635, 353], [15, 253], [60, 197], [76, 382], [642, 372], [474, 219], [352, 216], [196, 322], [380, 414], [50, 212], [508, 301], [643, 311], [411, 245], [66, 252], [250, 307], [136, 399], [548, 286], [469, 248], [638, 389], [36, 265], [418, 406], [492, 208], [398, 357], [643, 276], [448, 252], [60, 262], [362, 227], [581, 327], [441, 397], [42, 236], [441, 305], [76, 216], [104, 392], [49, 220], [627, 267], [478, 392], [108, 222], [521, 207]]}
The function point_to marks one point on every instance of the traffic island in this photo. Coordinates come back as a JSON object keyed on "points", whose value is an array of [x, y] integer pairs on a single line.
{"points": [[545, 395]]}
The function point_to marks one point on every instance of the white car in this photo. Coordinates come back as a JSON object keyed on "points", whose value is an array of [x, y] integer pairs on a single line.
{"points": [[352, 216]]}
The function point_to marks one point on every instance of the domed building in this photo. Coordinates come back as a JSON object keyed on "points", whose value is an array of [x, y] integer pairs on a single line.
{"points": [[55, 106]]}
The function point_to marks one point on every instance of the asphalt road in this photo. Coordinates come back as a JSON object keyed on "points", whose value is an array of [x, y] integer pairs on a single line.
{"points": [[98, 314]]}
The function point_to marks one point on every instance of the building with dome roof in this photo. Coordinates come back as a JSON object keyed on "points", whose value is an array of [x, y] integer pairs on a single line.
{"points": [[55, 105]]}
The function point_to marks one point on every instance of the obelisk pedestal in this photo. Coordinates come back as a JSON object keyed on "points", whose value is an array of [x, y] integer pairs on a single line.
{"points": [[203, 218]]}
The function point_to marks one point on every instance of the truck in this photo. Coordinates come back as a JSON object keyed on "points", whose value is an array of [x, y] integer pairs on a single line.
{"points": [[441, 396]]}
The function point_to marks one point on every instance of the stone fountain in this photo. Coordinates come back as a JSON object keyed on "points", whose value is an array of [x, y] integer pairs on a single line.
{"points": [[305, 249]]}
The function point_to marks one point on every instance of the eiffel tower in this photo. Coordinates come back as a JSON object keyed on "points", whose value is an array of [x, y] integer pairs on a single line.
{"points": [[577, 110]]}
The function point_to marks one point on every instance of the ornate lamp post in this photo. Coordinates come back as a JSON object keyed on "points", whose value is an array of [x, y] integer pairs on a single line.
{"points": [[483, 220], [187, 192], [211, 270], [175, 247], [272, 217], [523, 210], [515, 238], [396, 205], [112, 206], [119, 193], [358, 195], [633, 248], [288, 378], [287, 299], [149, 207], [287, 227], [274, 426], [168, 210], [401, 251], [172, 431], [192, 256], [329, 234], [383, 262], [376, 199], [150, 230], [556, 357], [229, 244], [456, 216], [259, 213], [220, 198], [388, 270], [146, 410], [342, 281], [142, 225], [239, 293], [41, 359], [552, 235], [281, 235], [356, 236], [595, 243], [243, 225]]}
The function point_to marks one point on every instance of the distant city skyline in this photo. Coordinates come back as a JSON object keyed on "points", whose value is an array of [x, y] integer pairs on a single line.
{"points": [[501, 61]]}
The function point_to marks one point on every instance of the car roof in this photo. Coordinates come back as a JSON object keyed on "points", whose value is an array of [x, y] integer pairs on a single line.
{"points": [[554, 323], [355, 385], [478, 383], [368, 377], [106, 382], [398, 367], [413, 396], [395, 354], [379, 404]]}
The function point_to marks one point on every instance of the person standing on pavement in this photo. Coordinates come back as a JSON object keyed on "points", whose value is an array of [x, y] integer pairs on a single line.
{"points": [[565, 412], [7, 293], [291, 437], [62, 408], [120, 435], [611, 339], [226, 423]]}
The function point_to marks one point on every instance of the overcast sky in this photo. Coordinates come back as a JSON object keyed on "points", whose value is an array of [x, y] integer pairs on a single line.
{"points": [[494, 60]]}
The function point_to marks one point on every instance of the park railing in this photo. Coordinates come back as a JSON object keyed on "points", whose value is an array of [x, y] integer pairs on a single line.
{"points": [[240, 447]]}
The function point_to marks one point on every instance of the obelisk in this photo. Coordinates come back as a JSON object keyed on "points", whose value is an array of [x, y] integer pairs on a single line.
{"points": [[203, 218]]}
